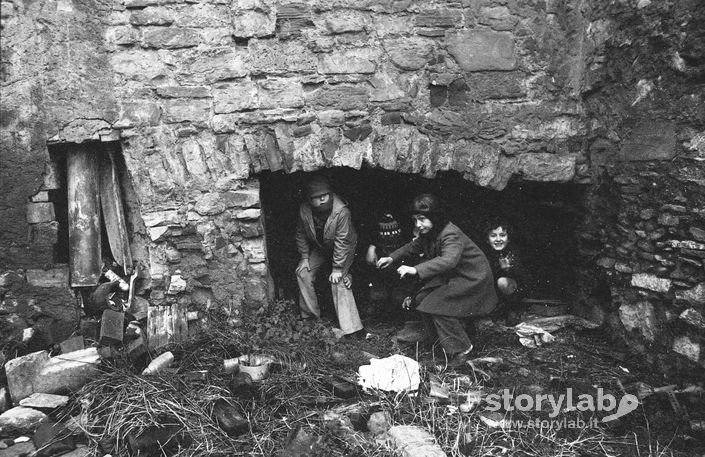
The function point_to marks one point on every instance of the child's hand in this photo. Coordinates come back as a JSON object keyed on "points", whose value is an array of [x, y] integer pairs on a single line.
{"points": [[335, 277], [347, 281], [371, 256], [405, 270], [406, 304], [303, 265], [384, 262]]}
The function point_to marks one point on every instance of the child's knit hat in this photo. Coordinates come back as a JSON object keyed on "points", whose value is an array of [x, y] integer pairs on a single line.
{"points": [[388, 231]]}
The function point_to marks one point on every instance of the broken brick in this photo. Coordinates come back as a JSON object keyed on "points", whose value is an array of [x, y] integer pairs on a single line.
{"points": [[111, 327]]}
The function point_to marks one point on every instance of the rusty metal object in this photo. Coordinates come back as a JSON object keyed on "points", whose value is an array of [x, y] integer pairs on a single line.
{"points": [[114, 212], [84, 216]]}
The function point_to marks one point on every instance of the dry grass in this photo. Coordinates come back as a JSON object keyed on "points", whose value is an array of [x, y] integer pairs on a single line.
{"points": [[296, 395]]}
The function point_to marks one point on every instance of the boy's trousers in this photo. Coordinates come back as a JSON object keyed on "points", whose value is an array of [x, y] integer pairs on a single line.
{"points": [[343, 298]]}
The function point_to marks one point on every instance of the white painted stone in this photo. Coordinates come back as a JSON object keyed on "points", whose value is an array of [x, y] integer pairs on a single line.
{"points": [[253, 250], [156, 232]]}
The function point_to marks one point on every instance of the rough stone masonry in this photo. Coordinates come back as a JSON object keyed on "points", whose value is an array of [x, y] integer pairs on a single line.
{"points": [[201, 96]]}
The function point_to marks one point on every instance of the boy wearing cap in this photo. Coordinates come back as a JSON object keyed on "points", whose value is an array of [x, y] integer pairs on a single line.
{"points": [[324, 233]]}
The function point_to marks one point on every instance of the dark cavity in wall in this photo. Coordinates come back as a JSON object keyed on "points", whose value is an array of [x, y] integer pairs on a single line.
{"points": [[124, 200], [546, 218]]}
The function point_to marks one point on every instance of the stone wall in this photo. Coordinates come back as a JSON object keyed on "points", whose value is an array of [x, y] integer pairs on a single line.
{"points": [[202, 96], [646, 222]]}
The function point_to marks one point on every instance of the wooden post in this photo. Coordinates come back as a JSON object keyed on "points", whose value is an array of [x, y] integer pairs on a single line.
{"points": [[84, 216]]}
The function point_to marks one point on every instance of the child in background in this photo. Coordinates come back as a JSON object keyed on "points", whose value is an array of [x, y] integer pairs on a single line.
{"points": [[511, 278]]}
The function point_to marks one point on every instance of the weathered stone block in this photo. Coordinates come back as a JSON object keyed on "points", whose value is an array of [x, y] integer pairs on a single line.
{"points": [[55, 277], [438, 18], [275, 58], [345, 62], [340, 96], [122, 35], [409, 53], [156, 218], [40, 212], [21, 421], [695, 296], [684, 346], [44, 401], [111, 327], [44, 234], [248, 214], [203, 15], [346, 21], [67, 372], [138, 65], [497, 17], [651, 282], [177, 284], [238, 96], [5, 400], [280, 93], [210, 204], [170, 38], [546, 167], [650, 140], [197, 110], [253, 250], [225, 63], [245, 198], [151, 16], [138, 115], [414, 441], [494, 85], [183, 92], [640, 316], [694, 318], [21, 373], [482, 50], [72, 344], [248, 24]]}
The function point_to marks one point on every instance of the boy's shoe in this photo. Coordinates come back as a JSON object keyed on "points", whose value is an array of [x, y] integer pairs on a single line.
{"points": [[361, 334], [461, 359]]}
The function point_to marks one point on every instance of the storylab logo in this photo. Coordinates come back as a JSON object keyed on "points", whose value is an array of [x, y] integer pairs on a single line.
{"points": [[555, 404]]}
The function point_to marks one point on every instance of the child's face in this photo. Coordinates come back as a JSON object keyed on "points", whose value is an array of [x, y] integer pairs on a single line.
{"points": [[498, 238], [422, 223]]}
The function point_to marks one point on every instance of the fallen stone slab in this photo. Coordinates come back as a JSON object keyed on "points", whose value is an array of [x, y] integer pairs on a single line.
{"points": [[75, 343], [44, 401], [20, 449], [21, 372], [68, 372], [20, 420], [111, 327], [5, 400], [412, 441]]}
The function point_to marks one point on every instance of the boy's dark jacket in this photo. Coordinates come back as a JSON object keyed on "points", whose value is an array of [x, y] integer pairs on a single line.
{"points": [[456, 276], [339, 236]]}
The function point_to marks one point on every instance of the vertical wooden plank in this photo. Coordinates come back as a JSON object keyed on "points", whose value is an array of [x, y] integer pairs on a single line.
{"points": [[85, 260], [160, 326], [180, 318], [114, 212]]}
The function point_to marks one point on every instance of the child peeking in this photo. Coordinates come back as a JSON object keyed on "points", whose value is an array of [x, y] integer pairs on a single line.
{"points": [[511, 279], [456, 278]]}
